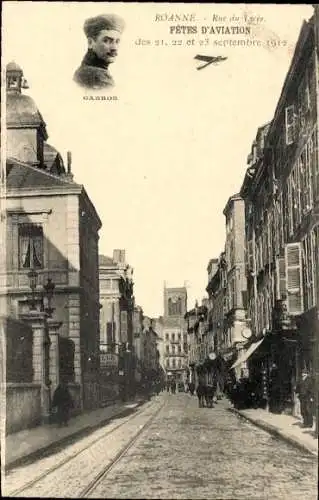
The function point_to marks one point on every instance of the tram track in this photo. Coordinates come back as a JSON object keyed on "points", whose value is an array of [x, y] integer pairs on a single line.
{"points": [[85, 449], [102, 474]]}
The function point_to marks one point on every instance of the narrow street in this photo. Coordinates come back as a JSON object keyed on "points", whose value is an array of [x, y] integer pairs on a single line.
{"points": [[182, 452]]}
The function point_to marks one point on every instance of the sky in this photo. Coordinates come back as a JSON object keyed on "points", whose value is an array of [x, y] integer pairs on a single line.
{"points": [[160, 162]]}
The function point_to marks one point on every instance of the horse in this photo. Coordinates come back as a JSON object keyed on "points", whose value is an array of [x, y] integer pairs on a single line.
{"points": [[209, 395], [191, 388]]}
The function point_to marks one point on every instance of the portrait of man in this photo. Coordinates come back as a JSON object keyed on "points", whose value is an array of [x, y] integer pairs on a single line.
{"points": [[103, 35]]}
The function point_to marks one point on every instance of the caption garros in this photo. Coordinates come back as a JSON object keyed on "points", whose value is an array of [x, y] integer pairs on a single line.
{"points": [[100, 98]]}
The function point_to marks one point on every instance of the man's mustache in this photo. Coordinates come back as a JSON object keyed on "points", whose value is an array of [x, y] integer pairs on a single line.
{"points": [[112, 53]]}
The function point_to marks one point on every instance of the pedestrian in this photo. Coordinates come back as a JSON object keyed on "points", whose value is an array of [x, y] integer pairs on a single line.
{"points": [[191, 387], [305, 393], [62, 400], [201, 393]]}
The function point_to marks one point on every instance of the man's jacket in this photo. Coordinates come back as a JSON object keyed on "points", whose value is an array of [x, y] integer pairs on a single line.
{"points": [[93, 73]]}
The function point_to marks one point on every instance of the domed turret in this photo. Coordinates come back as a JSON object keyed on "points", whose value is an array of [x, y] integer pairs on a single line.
{"points": [[26, 128], [14, 77]]}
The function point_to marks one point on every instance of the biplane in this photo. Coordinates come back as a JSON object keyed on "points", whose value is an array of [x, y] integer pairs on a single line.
{"points": [[209, 60]]}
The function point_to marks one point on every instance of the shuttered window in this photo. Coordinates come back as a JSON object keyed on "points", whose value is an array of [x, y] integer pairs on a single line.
{"points": [[294, 283], [250, 256], [310, 257], [123, 326]]}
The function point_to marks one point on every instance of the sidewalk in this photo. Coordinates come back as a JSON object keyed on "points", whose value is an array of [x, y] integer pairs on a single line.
{"points": [[30, 444], [287, 427]]}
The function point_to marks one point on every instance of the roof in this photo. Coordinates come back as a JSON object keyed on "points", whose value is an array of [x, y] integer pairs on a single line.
{"points": [[21, 175], [305, 34], [52, 158], [13, 66], [232, 198], [176, 289], [104, 260], [50, 154], [22, 111]]}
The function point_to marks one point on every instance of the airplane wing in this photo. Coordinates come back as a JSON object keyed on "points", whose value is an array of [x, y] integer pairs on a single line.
{"points": [[204, 58], [209, 60]]}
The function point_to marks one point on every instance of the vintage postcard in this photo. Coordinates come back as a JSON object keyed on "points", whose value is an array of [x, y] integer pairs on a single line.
{"points": [[159, 241]]}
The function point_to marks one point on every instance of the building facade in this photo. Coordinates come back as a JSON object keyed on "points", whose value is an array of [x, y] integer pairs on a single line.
{"points": [[51, 232], [116, 323], [236, 328], [138, 343], [151, 356], [281, 191], [217, 292]]}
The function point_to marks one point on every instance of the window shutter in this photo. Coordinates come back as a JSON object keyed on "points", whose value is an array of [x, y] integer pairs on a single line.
{"points": [[250, 261], [123, 326], [294, 278], [290, 124]]}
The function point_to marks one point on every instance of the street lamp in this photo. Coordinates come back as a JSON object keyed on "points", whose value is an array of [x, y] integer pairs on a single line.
{"points": [[33, 281], [49, 288]]}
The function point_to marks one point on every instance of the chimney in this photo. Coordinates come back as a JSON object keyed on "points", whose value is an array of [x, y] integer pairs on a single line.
{"points": [[69, 175], [69, 162], [119, 256]]}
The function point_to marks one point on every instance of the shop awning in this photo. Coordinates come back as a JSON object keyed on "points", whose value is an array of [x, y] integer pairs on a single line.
{"points": [[245, 355]]}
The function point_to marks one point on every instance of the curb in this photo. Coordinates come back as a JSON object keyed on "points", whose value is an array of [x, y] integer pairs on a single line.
{"points": [[49, 448], [271, 429]]}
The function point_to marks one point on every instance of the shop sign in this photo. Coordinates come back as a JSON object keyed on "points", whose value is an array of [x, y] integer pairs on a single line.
{"points": [[108, 359]]}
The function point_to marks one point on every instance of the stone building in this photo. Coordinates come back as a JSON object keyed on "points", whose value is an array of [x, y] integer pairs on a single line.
{"points": [[151, 357], [236, 328], [116, 321], [138, 343], [217, 289], [174, 333], [51, 232], [281, 192]]}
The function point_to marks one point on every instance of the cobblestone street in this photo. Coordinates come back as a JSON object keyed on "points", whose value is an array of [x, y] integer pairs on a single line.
{"points": [[191, 452], [186, 452]]}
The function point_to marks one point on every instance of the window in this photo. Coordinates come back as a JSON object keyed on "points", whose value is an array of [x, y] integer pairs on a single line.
{"points": [[13, 82], [110, 333], [174, 363], [309, 259], [179, 349], [173, 349], [179, 337], [173, 337], [167, 349], [175, 306], [294, 283], [107, 284], [179, 363], [30, 246], [166, 336], [124, 324]]}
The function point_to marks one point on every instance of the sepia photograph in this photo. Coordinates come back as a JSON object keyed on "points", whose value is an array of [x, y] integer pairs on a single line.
{"points": [[159, 250], [103, 35]]}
